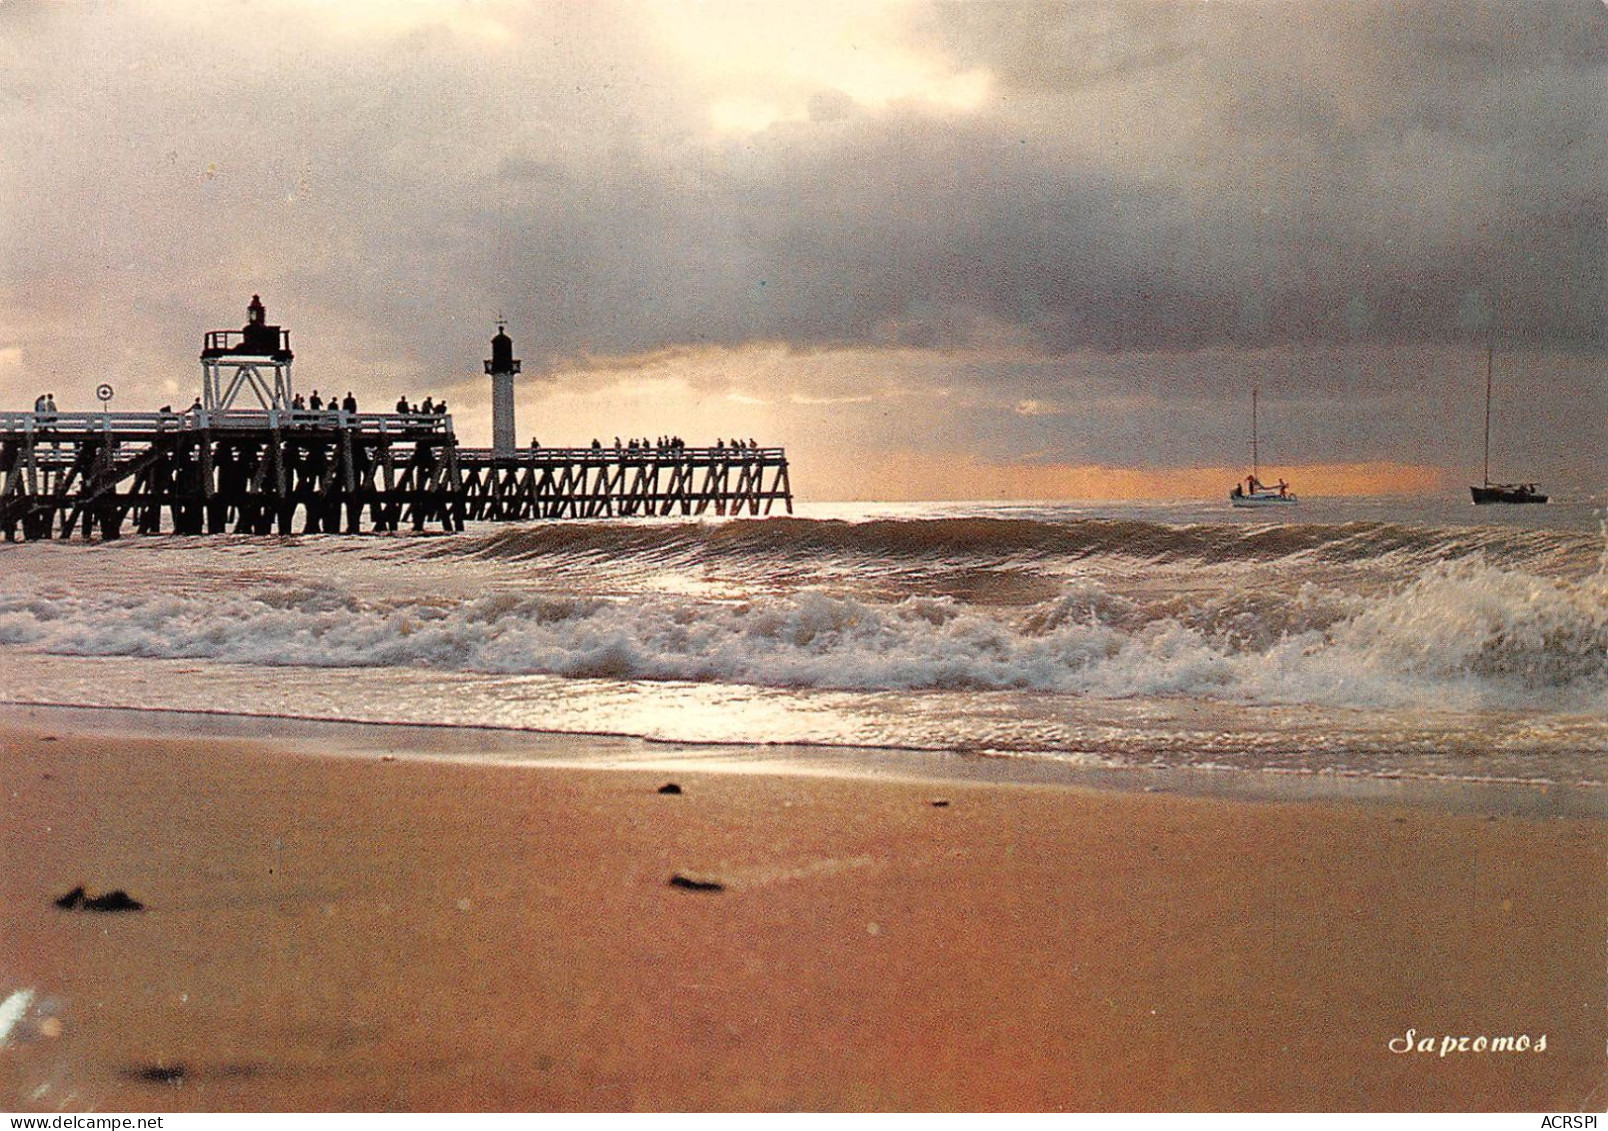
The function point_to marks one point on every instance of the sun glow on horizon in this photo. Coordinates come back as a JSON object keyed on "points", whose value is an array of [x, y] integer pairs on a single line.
{"points": [[912, 476]]}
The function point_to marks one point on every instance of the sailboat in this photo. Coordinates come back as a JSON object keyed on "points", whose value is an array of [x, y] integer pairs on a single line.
{"points": [[1253, 492], [1499, 492]]}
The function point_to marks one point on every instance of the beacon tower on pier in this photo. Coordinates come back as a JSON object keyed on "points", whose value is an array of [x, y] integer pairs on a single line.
{"points": [[501, 368], [256, 357]]}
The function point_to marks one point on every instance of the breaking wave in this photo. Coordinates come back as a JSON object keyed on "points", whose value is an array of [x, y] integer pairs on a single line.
{"points": [[1510, 619]]}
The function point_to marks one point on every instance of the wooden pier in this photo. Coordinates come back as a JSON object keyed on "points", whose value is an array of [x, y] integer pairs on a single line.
{"points": [[544, 483], [289, 471]]}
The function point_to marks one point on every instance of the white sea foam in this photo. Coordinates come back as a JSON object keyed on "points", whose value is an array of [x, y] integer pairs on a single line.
{"points": [[1348, 647], [1462, 635]]}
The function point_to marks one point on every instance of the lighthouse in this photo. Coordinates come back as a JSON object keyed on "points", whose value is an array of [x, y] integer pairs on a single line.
{"points": [[501, 368]]}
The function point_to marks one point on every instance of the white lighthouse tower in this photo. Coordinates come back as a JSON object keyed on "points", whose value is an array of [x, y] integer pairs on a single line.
{"points": [[501, 367]]}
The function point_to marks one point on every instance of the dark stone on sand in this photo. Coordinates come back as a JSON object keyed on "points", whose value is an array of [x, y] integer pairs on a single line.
{"points": [[113, 901], [940, 804], [690, 884], [172, 1075], [119, 900], [669, 787]]}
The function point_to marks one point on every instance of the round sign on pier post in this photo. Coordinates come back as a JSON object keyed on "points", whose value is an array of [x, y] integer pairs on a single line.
{"points": [[103, 393]]}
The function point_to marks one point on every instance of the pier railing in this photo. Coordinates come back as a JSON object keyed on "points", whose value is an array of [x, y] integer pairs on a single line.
{"points": [[629, 455], [134, 423], [218, 342]]}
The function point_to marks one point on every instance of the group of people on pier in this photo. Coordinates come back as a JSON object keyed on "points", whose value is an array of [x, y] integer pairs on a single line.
{"points": [[316, 403], [45, 407], [428, 408], [665, 444]]}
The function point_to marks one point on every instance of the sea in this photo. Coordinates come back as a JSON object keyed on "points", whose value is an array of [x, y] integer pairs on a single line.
{"points": [[1373, 639]]}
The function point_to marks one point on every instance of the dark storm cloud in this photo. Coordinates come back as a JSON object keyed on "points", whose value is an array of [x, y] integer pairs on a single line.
{"points": [[1146, 176], [1341, 170], [1140, 177]]}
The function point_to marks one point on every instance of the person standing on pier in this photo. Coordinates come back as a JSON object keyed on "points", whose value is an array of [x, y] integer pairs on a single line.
{"points": [[349, 404]]}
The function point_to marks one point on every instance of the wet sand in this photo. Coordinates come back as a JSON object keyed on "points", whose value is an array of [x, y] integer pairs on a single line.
{"points": [[383, 932]]}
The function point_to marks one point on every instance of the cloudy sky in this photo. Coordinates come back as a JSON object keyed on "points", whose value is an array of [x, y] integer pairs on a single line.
{"points": [[939, 250]]}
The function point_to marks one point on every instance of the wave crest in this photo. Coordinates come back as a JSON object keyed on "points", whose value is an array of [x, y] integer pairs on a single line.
{"points": [[1463, 634], [884, 542]]}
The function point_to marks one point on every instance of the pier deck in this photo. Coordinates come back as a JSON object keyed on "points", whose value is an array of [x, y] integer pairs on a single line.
{"points": [[296, 471]]}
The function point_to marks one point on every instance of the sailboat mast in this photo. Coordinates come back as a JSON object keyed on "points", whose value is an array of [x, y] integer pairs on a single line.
{"points": [[1490, 351], [1256, 472]]}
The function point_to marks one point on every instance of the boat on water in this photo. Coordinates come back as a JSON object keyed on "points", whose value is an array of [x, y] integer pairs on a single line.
{"points": [[1488, 492], [1253, 492], [1507, 493]]}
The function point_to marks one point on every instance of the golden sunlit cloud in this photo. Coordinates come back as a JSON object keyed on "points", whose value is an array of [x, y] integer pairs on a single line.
{"points": [[762, 64], [472, 20]]}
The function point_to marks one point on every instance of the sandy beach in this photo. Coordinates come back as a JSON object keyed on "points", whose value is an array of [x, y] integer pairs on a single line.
{"points": [[380, 931]]}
